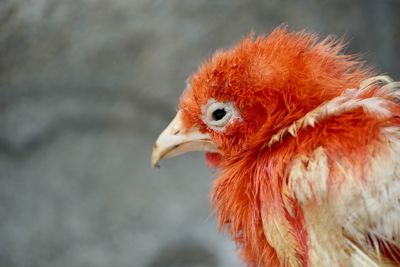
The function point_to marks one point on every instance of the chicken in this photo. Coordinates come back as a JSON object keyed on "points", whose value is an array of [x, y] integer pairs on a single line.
{"points": [[306, 143]]}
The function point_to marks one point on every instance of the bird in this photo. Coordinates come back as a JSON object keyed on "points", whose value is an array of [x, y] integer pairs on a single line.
{"points": [[305, 142]]}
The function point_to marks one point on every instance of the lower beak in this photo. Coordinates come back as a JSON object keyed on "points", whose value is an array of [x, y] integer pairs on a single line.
{"points": [[173, 141]]}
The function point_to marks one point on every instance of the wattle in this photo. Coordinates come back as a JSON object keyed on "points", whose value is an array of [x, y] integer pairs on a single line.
{"points": [[213, 159]]}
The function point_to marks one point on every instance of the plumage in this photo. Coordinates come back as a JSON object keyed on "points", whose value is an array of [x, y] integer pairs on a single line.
{"points": [[308, 154]]}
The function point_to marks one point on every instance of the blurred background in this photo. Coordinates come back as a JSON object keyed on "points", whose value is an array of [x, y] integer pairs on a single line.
{"points": [[86, 86]]}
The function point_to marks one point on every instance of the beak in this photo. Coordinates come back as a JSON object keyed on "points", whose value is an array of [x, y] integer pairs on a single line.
{"points": [[173, 141]]}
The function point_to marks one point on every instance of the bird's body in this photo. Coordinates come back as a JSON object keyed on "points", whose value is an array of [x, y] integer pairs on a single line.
{"points": [[306, 141], [314, 198]]}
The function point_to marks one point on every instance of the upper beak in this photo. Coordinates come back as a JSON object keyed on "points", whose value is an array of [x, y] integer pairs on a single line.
{"points": [[174, 141]]}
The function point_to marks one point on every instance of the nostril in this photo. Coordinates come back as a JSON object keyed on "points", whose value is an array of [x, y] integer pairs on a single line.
{"points": [[176, 131]]}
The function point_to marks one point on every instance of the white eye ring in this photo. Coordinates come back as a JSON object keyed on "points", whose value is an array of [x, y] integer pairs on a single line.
{"points": [[218, 114]]}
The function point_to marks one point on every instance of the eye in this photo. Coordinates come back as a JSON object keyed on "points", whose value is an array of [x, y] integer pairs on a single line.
{"points": [[218, 114]]}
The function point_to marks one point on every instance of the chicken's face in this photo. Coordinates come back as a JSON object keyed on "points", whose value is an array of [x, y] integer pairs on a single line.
{"points": [[219, 110], [239, 98]]}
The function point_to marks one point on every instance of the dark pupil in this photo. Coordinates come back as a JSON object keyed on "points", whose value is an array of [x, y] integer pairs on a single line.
{"points": [[218, 114]]}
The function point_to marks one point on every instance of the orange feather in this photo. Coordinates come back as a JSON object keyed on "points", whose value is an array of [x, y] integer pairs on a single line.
{"points": [[274, 81]]}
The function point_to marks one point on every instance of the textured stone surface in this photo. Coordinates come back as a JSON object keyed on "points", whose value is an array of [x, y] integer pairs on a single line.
{"points": [[85, 88]]}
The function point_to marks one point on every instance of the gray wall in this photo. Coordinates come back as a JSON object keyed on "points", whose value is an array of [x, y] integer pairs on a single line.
{"points": [[85, 88]]}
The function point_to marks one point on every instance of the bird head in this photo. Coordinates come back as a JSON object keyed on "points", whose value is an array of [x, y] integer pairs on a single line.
{"points": [[242, 96]]}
